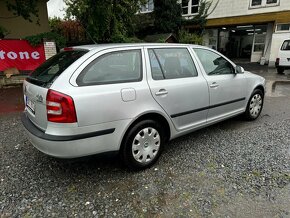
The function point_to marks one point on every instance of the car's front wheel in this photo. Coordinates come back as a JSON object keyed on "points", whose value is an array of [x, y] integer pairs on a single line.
{"points": [[143, 144], [255, 105]]}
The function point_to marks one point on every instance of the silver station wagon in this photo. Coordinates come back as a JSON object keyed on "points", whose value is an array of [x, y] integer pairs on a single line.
{"points": [[133, 98]]}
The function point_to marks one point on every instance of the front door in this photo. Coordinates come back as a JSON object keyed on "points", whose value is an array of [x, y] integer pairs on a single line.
{"points": [[177, 86], [226, 88]]}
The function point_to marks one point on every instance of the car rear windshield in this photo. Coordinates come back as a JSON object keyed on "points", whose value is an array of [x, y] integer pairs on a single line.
{"points": [[46, 73], [286, 46]]}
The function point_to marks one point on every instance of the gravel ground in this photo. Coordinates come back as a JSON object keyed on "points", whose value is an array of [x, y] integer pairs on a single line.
{"points": [[232, 169]]}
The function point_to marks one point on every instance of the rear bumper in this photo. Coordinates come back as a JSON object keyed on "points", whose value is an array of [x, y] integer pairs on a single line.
{"points": [[72, 145]]}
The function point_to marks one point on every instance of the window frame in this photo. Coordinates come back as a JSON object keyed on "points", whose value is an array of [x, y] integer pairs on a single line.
{"points": [[146, 5], [80, 75], [282, 31], [193, 58], [281, 49], [189, 8], [219, 54], [263, 4]]}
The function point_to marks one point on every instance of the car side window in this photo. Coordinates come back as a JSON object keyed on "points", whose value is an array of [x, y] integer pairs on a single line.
{"points": [[171, 63], [286, 46], [213, 63], [114, 67]]}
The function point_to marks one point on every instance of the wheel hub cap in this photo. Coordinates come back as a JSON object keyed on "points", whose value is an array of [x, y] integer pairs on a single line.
{"points": [[256, 105], [146, 145]]}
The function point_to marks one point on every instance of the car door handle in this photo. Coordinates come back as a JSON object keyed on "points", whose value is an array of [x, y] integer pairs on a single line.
{"points": [[214, 85], [161, 92]]}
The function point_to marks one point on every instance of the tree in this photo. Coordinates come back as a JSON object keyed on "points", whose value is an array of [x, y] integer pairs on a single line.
{"points": [[167, 16], [105, 20], [24, 8], [200, 19], [71, 30]]}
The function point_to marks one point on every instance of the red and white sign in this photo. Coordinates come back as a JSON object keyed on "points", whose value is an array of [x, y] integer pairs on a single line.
{"points": [[20, 54]]}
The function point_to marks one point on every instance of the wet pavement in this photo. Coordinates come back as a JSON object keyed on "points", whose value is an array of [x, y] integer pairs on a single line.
{"points": [[11, 100], [232, 169]]}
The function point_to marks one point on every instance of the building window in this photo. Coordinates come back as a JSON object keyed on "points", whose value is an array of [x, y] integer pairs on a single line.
{"points": [[256, 3], [148, 7], [272, 2], [263, 3], [283, 27], [189, 7], [184, 6]]}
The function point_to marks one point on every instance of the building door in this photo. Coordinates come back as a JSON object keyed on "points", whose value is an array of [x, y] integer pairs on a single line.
{"points": [[259, 40]]}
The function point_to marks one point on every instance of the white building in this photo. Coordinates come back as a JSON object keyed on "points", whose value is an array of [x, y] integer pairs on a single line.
{"points": [[252, 28], [249, 29]]}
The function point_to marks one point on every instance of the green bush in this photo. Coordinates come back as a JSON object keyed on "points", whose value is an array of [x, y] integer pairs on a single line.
{"points": [[36, 40], [190, 38], [3, 32]]}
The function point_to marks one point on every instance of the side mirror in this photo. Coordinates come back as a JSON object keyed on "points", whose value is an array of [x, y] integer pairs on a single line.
{"points": [[216, 62], [239, 70]]}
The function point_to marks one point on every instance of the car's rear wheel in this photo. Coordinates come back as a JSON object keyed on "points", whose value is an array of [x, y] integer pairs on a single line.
{"points": [[255, 105], [143, 144], [280, 70]]}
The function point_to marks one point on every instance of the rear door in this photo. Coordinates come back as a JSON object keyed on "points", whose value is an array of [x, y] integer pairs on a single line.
{"points": [[36, 86], [285, 54], [226, 88], [177, 86]]}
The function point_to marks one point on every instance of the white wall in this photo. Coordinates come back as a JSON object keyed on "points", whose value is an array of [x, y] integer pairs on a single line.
{"points": [[230, 8], [277, 40], [268, 43]]}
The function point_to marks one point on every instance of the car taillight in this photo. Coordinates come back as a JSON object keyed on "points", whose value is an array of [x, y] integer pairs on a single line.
{"points": [[60, 108]]}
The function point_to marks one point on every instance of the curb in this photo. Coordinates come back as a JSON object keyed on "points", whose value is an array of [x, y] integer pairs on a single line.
{"points": [[279, 82]]}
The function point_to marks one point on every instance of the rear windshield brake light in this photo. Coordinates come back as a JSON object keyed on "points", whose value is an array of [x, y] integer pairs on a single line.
{"points": [[68, 49]]}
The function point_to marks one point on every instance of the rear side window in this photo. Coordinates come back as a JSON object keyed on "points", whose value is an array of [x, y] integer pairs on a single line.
{"points": [[171, 63], [286, 46], [114, 67], [53, 67]]}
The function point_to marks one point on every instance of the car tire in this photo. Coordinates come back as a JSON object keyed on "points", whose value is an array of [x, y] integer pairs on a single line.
{"points": [[255, 105], [280, 70], [143, 144]]}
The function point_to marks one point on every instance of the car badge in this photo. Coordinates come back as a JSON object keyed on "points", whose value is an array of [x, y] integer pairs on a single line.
{"points": [[39, 98]]}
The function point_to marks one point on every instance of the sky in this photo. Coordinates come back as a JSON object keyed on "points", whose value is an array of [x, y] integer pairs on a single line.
{"points": [[55, 8]]}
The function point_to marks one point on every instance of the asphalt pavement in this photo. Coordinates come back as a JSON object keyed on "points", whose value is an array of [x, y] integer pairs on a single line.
{"points": [[232, 169]]}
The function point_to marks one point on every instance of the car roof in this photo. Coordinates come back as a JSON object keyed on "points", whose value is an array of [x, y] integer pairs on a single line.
{"points": [[120, 45]]}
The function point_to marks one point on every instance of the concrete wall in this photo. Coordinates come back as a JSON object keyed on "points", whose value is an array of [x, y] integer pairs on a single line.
{"points": [[231, 8], [18, 27]]}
